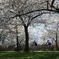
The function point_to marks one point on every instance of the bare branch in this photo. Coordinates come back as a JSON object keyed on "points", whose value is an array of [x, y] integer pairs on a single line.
{"points": [[52, 3], [18, 15], [35, 17], [22, 21]]}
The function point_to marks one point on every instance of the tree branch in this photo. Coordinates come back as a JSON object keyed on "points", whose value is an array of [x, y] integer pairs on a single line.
{"points": [[35, 17], [22, 21], [52, 3], [18, 15]]}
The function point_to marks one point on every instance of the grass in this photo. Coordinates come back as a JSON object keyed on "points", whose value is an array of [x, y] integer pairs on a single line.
{"points": [[30, 55]]}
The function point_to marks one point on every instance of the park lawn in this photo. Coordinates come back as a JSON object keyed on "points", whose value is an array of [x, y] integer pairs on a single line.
{"points": [[29, 55]]}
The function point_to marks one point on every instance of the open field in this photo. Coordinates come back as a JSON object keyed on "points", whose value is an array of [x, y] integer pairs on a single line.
{"points": [[30, 55]]}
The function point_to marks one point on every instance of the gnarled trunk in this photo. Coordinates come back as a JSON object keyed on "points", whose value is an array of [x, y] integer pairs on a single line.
{"points": [[26, 39]]}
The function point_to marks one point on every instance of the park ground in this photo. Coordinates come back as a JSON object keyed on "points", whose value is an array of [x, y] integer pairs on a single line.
{"points": [[29, 55]]}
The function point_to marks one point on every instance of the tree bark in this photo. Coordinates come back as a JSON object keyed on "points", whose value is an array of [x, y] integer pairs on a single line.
{"points": [[56, 42], [26, 39], [17, 49], [52, 3], [17, 44]]}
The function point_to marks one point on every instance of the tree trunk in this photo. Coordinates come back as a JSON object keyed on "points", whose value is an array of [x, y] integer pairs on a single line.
{"points": [[17, 43], [56, 42], [26, 39], [17, 49]]}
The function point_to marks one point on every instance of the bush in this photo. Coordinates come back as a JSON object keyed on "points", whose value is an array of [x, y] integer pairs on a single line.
{"points": [[42, 47], [3, 48], [20, 47], [10, 47]]}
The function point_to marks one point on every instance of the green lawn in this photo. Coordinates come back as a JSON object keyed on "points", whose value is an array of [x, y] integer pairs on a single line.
{"points": [[30, 55]]}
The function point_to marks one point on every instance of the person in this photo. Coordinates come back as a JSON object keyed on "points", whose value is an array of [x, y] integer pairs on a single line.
{"points": [[49, 44], [35, 43]]}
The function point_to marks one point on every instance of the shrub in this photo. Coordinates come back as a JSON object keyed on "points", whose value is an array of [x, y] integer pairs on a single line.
{"points": [[3, 48]]}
